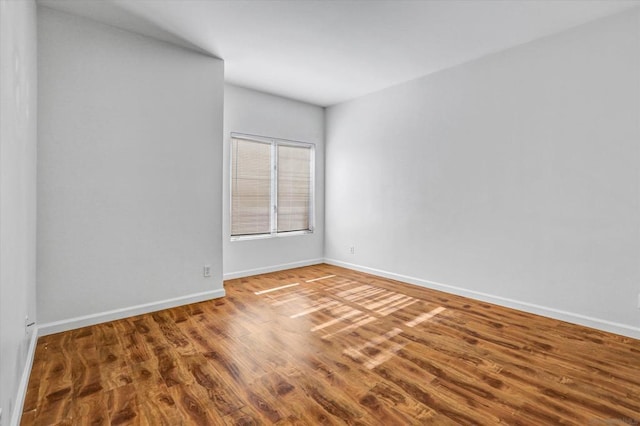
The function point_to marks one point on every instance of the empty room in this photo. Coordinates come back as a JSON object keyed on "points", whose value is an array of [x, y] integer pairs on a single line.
{"points": [[302, 212]]}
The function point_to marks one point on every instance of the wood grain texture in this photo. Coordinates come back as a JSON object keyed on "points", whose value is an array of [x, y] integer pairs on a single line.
{"points": [[327, 345]]}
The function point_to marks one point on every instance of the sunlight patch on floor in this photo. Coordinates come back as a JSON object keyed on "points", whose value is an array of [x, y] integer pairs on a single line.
{"points": [[258, 293], [325, 305], [424, 317], [335, 301], [350, 313], [366, 320], [286, 298], [408, 301], [358, 353], [383, 301], [318, 279]]}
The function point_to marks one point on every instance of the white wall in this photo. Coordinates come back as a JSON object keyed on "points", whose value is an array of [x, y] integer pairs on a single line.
{"points": [[129, 172], [17, 193], [252, 112], [513, 178]]}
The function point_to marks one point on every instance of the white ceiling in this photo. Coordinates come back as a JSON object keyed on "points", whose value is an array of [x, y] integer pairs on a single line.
{"points": [[326, 52]]}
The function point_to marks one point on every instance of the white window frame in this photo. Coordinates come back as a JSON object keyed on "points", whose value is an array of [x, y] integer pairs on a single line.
{"points": [[274, 142]]}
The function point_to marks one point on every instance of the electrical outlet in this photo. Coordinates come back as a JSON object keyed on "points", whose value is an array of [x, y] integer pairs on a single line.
{"points": [[206, 271], [352, 250]]}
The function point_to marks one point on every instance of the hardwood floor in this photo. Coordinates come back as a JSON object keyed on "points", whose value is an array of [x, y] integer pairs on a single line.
{"points": [[326, 345]]}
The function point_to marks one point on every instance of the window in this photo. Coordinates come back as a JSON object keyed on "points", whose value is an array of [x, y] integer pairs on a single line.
{"points": [[271, 187]]}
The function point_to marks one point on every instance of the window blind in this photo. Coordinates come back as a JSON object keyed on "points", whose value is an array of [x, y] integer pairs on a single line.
{"points": [[250, 187], [294, 181]]}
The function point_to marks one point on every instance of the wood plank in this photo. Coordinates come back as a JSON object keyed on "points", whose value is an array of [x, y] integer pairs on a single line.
{"points": [[122, 405], [91, 410], [193, 407]]}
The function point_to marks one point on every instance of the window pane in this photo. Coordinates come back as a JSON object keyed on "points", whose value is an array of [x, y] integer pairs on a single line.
{"points": [[250, 187], [294, 184]]}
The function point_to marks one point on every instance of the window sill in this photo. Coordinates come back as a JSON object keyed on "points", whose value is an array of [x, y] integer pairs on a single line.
{"points": [[267, 236]]}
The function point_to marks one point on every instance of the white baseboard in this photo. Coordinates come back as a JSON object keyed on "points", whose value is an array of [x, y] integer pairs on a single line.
{"points": [[24, 379], [116, 314], [274, 268], [597, 323]]}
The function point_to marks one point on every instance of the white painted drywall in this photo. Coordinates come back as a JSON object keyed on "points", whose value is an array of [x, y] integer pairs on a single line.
{"points": [[18, 83], [515, 176], [129, 170], [257, 113]]}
